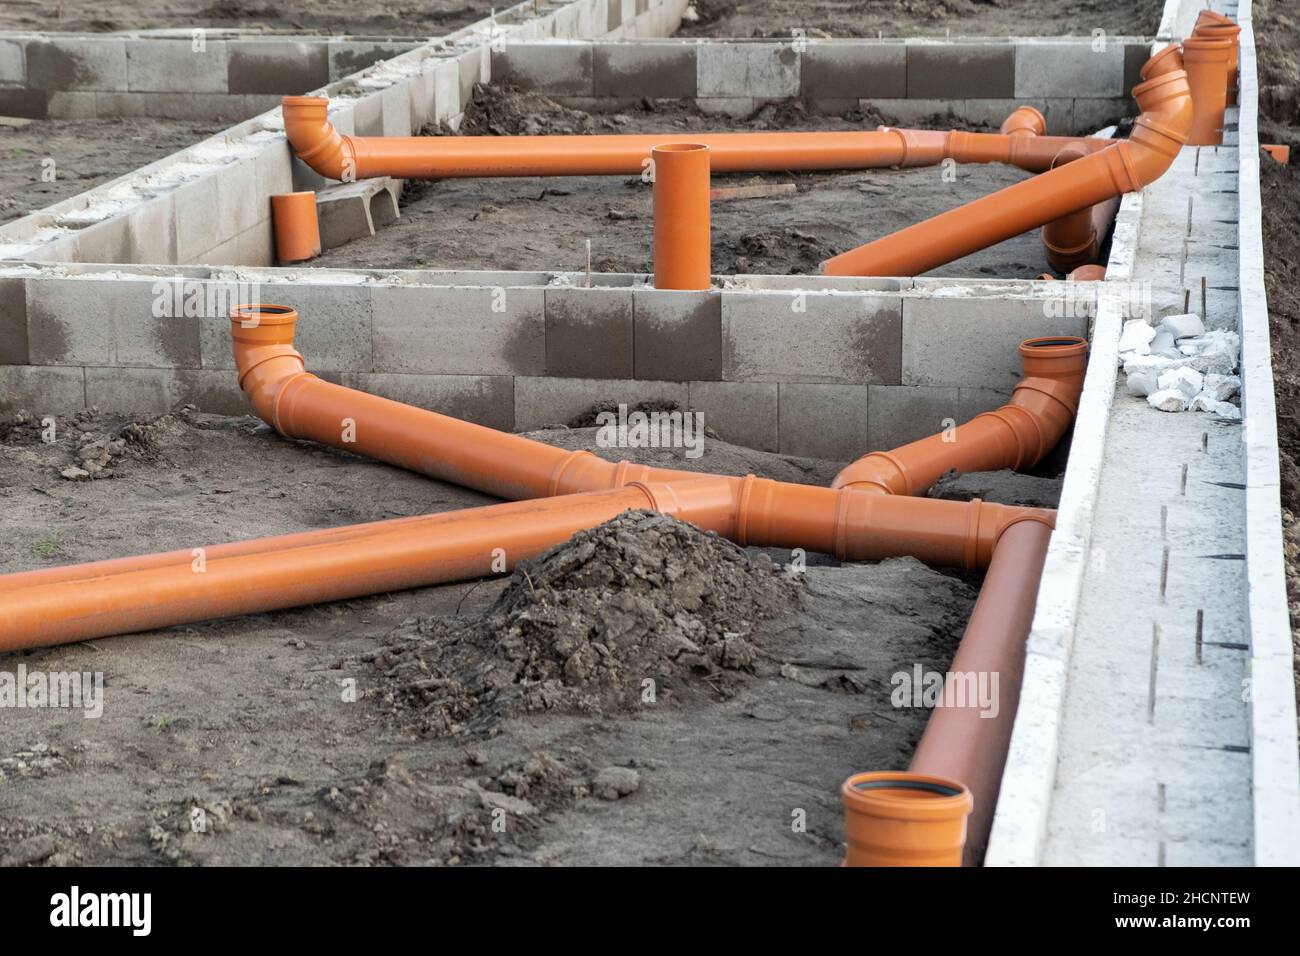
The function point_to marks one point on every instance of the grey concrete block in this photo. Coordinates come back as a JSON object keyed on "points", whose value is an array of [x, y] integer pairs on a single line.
{"points": [[154, 391], [77, 63], [196, 210], [960, 70], [274, 175], [257, 245], [151, 232], [349, 211], [282, 67], [743, 413], [904, 413], [747, 70], [677, 336], [459, 331], [106, 322], [973, 341], [13, 322], [1135, 55], [655, 70], [73, 104], [395, 104], [823, 421], [163, 65], [1091, 115], [1076, 68], [797, 337], [560, 68], [368, 115], [348, 56], [446, 90], [238, 202], [107, 241], [820, 283], [42, 390], [333, 333], [556, 401], [13, 63], [737, 107], [473, 66], [483, 399], [27, 104], [911, 112], [589, 333], [613, 14], [854, 70]]}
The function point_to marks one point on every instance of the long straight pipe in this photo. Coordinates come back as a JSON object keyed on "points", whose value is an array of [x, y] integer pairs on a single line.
{"points": [[337, 156]]}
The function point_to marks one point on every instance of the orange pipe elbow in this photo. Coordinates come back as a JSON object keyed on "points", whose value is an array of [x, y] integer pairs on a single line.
{"points": [[315, 140], [1123, 166], [1211, 24], [682, 253], [1017, 435]]}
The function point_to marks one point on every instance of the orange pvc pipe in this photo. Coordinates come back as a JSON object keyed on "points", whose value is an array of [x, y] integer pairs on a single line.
{"points": [[1017, 435], [337, 156], [904, 819], [1206, 60], [300, 405], [1077, 239], [1221, 26], [1122, 166], [297, 229], [682, 254], [966, 742]]}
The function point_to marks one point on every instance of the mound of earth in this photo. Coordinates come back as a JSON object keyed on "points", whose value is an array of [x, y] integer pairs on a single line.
{"points": [[641, 605]]}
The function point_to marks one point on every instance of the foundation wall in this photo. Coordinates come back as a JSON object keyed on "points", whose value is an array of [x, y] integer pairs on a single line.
{"points": [[1078, 84], [797, 365]]}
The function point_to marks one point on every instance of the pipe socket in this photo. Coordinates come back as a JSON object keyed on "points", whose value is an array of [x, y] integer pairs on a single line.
{"points": [[904, 819], [1206, 61]]}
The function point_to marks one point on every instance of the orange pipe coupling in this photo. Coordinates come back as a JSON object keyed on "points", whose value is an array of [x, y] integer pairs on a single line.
{"points": [[682, 255], [1121, 166], [1017, 435], [1206, 61], [297, 230], [1212, 24], [904, 819], [336, 156]]}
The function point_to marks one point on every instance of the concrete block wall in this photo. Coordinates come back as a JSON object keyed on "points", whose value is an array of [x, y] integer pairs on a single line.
{"points": [[1079, 83], [218, 76], [818, 371], [127, 220]]}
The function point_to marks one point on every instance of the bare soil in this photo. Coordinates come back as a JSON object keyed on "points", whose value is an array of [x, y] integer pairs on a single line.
{"points": [[80, 154], [325, 17], [762, 18], [1277, 36], [521, 700], [542, 224]]}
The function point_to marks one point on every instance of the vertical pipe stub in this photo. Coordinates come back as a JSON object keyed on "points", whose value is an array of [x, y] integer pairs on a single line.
{"points": [[297, 230], [681, 216], [1206, 61], [904, 819]]}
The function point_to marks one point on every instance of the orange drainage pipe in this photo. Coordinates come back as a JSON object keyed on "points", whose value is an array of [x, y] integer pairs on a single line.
{"points": [[1209, 24], [297, 230], [1077, 239], [682, 255], [1088, 273], [336, 156], [1017, 435], [1277, 152], [1206, 59], [1122, 166], [904, 819], [965, 743]]}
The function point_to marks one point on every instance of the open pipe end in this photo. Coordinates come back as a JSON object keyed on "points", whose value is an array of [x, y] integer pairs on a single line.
{"points": [[1024, 121], [904, 819]]}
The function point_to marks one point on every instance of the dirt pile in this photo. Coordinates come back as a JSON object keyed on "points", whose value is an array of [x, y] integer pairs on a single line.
{"points": [[641, 607]]}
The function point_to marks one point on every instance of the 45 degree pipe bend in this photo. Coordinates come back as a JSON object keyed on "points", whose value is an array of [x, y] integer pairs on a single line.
{"points": [[1120, 167], [1017, 435]]}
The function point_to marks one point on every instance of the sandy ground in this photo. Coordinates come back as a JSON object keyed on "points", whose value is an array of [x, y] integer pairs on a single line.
{"points": [[334, 17], [1277, 33], [245, 719], [531, 223], [762, 18], [85, 153]]}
